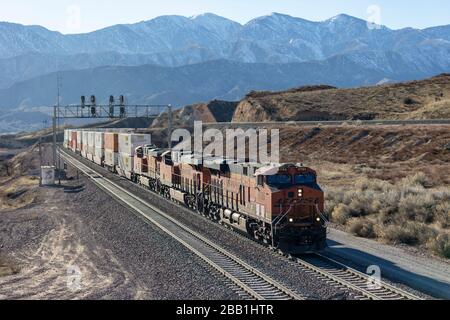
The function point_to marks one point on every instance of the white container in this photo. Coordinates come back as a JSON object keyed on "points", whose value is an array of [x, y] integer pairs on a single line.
{"points": [[84, 147], [128, 142], [99, 140], [48, 176], [91, 145], [99, 156], [91, 141], [111, 159], [66, 138], [126, 165]]}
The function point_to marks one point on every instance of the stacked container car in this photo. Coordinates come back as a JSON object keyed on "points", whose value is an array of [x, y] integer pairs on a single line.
{"points": [[90, 145], [99, 147], [73, 142], [66, 138], [84, 147], [128, 142], [111, 150], [79, 141], [69, 138]]}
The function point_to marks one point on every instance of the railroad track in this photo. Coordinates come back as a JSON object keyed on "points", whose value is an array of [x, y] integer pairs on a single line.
{"points": [[325, 268], [341, 275], [252, 283]]}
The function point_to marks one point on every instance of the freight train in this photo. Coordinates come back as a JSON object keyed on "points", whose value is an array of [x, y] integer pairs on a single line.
{"points": [[280, 205]]}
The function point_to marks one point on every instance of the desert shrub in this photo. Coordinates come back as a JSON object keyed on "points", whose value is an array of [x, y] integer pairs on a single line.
{"points": [[417, 208], [409, 101], [398, 234], [441, 245], [419, 179], [411, 233], [405, 212], [341, 214], [363, 228], [443, 214]]}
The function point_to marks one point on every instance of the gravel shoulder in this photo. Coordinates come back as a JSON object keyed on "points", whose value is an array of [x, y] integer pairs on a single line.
{"points": [[424, 273]]}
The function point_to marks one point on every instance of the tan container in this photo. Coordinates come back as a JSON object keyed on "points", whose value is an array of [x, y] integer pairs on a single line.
{"points": [[112, 141], [79, 140]]}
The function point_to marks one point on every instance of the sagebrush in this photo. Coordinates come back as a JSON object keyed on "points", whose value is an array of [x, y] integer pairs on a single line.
{"points": [[408, 212]]}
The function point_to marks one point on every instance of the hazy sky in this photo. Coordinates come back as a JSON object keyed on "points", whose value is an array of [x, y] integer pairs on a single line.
{"points": [[77, 16]]}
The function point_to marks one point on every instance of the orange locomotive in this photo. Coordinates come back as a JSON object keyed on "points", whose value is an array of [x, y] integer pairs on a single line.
{"points": [[278, 204]]}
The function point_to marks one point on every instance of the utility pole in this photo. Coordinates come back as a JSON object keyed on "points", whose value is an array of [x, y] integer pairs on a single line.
{"points": [[56, 159], [40, 162], [169, 137], [54, 136]]}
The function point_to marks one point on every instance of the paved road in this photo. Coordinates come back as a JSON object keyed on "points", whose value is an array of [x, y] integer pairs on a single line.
{"points": [[427, 275], [326, 123]]}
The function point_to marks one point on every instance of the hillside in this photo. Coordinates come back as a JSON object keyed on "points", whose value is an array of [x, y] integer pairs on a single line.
{"points": [[214, 111], [424, 99]]}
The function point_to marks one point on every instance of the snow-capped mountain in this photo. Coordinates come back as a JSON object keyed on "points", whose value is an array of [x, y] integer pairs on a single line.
{"points": [[174, 41]]}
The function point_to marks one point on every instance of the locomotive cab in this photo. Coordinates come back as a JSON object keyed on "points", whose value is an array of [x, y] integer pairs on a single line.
{"points": [[296, 205]]}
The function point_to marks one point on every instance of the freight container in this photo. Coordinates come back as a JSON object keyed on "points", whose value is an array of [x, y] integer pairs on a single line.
{"points": [[73, 143], [66, 138], [111, 160], [69, 139], [79, 140], [126, 165], [99, 148], [84, 145], [91, 145], [128, 142], [112, 141]]}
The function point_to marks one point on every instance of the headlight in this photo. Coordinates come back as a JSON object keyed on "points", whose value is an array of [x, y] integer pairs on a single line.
{"points": [[318, 219], [291, 220]]}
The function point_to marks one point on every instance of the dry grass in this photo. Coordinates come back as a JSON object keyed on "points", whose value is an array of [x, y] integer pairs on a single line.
{"points": [[19, 192], [405, 212], [434, 110]]}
